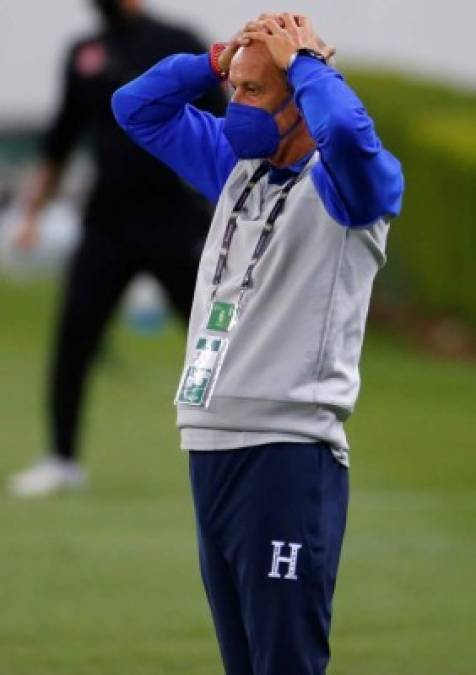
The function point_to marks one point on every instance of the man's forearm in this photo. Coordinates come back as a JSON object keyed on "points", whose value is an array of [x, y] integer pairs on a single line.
{"points": [[163, 90], [155, 112], [367, 176], [42, 187]]}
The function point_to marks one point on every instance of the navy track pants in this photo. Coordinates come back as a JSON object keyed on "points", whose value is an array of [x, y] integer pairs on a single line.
{"points": [[270, 524]]}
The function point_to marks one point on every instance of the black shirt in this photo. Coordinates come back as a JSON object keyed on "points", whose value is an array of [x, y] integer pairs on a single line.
{"points": [[131, 187]]}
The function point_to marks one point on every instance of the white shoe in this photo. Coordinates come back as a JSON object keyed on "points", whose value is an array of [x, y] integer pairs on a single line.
{"points": [[48, 476]]}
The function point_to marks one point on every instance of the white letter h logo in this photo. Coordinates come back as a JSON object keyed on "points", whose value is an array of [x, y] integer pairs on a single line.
{"points": [[278, 559]]}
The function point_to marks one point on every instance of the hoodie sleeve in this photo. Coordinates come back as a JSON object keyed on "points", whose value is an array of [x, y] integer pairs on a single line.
{"points": [[156, 111], [358, 180]]}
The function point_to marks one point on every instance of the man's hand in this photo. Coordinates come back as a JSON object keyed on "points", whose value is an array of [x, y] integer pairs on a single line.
{"points": [[240, 40], [237, 41], [284, 34], [42, 187], [27, 236]]}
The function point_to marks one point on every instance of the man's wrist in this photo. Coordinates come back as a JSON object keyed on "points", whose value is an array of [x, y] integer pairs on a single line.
{"points": [[305, 51]]}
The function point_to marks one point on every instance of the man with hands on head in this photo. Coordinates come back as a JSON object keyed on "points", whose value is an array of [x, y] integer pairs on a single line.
{"points": [[303, 191]]}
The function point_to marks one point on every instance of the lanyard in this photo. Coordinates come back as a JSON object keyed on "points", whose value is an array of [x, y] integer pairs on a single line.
{"points": [[264, 237], [201, 374]]}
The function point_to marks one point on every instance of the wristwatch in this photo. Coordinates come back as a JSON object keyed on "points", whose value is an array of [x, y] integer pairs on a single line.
{"points": [[306, 51]]}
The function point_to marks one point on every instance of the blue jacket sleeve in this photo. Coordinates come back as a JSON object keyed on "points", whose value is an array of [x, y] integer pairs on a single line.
{"points": [[358, 180], [155, 111]]}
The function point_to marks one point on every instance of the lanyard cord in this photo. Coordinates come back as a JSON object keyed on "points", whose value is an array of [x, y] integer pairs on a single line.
{"points": [[264, 237]]}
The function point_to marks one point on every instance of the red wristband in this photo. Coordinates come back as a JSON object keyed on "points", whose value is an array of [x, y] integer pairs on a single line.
{"points": [[215, 50]]}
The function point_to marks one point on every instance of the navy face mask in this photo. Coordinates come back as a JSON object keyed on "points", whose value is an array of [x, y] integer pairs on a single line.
{"points": [[252, 132]]}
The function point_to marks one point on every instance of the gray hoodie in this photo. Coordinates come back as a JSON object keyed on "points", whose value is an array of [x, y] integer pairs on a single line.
{"points": [[291, 369]]}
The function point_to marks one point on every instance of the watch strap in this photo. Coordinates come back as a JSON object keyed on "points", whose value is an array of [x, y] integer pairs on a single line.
{"points": [[306, 51]]}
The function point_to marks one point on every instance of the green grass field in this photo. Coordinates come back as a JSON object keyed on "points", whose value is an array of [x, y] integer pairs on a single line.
{"points": [[107, 582]]}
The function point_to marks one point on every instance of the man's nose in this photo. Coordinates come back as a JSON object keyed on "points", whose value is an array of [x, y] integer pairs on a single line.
{"points": [[237, 97]]}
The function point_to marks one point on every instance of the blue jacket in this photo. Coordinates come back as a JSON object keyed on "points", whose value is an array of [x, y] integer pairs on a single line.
{"points": [[357, 179]]}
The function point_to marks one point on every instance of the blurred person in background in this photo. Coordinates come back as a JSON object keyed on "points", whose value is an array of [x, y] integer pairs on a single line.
{"points": [[140, 217]]}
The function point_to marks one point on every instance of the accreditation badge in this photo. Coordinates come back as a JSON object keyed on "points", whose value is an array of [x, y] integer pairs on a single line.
{"points": [[222, 316], [199, 378]]}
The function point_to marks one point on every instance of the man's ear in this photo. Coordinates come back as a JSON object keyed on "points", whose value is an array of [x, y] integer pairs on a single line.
{"points": [[287, 84]]}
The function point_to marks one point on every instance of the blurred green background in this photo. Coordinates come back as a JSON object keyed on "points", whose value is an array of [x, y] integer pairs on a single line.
{"points": [[432, 130], [107, 582]]}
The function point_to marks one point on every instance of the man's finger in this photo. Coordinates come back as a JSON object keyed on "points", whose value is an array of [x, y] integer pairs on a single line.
{"points": [[327, 52], [259, 25], [303, 21], [273, 26], [290, 22], [233, 44], [260, 36], [277, 17], [253, 25], [243, 41], [266, 25]]}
